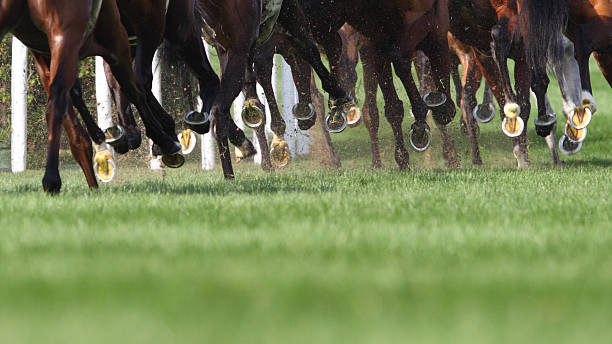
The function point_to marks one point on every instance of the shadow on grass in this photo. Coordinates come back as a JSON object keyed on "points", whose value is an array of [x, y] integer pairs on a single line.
{"points": [[594, 162]]}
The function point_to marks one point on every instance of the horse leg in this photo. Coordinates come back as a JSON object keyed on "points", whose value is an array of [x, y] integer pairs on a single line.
{"points": [[76, 94], [394, 109], [185, 39], [301, 73], [234, 64], [370, 107], [111, 42], [420, 133], [124, 111], [80, 146], [500, 46], [264, 62], [252, 99], [58, 77], [471, 80], [292, 19], [522, 80], [436, 48]]}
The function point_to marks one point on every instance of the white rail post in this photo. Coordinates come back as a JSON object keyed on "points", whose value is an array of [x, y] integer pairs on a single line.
{"points": [[19, 106], [155, 163], [288, 99], [207, 141], [264, 101], [103, 97]]}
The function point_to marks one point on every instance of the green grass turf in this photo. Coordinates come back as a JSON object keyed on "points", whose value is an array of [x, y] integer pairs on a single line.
{"points": [[310, 256]]}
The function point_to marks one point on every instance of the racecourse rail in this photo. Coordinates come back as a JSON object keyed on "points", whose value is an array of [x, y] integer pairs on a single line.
{"points": [[299, 142]]}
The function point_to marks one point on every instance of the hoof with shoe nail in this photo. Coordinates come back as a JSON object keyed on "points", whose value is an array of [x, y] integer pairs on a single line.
{"points": [[252, 115], [197, 121], [188, 139], [104, 163]]}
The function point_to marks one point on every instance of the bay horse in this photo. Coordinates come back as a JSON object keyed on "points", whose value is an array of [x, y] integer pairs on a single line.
{"points": [[237, 28], [61, 32], [397, 29], [590, 28], [281, 42], [527, 31]]}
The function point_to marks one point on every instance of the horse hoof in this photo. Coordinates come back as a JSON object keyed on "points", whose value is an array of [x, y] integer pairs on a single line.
{"points": [[512, 125], [581, 118], [174, 160], [574, 135], [484, 113], [521, 158], [353, 116], [336, 122], [115, 136], [568, 147], [252, 115], [187, 139], [52, 184], [434, 99], [197, 121], [279, 154], [104, 165], [420, 141], [301, 115], [545, 125], [306, 124], [245, 151]]}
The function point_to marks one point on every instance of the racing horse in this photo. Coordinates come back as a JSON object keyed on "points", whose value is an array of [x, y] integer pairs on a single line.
{"points": [[281, 42], [237, 28], [61, 32], [397, 29], [528, 31], [590, 28]]}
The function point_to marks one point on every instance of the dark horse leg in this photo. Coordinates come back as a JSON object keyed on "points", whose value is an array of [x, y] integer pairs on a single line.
{"points": [[292, 19], [394, 108], [124, 111], [76, 94], [251, 99]]}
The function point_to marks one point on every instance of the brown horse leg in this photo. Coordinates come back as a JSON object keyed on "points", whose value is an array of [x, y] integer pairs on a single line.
{"points": [[522, 77], [436, 48], [471, 80], [124, 110], [370, 107], [501, 46], [80, 146], [58, 78]]}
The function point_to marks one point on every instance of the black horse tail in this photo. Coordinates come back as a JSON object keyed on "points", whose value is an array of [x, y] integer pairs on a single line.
{"points": [[543, 23]]}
